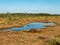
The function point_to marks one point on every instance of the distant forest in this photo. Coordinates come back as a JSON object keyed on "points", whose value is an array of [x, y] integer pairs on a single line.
{"points": [[27, 14]]}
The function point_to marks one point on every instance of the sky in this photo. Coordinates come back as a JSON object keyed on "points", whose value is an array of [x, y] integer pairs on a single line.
{"points": [[30, 6]]}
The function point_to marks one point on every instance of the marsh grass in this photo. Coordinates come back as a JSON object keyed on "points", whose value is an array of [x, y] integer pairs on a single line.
{"points": [[53, 42]]}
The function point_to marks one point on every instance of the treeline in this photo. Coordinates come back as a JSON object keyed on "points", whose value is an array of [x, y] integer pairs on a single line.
{"points": [[27, 14]]}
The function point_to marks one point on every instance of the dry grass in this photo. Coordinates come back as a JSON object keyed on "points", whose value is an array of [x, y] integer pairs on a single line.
{"points": [[17, 21], [29, 38], [33, 37]]}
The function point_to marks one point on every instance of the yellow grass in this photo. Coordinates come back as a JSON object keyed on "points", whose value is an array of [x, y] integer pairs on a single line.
{"points": [[22, 21], [29, 38]]}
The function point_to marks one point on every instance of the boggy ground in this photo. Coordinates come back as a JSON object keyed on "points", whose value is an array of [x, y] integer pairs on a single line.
{"points": [[21, 21], [45, 36]]}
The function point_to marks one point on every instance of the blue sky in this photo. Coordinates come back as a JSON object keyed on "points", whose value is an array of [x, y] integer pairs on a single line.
{"points": [[30, 6]]}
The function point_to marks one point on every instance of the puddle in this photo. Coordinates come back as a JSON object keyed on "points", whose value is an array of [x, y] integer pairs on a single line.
{"points": [[34, 25]]}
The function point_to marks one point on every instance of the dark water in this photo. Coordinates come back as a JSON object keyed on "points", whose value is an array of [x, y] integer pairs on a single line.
{"points": [[35, 25]]}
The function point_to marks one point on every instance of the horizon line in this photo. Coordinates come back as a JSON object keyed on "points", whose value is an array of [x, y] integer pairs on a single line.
{"points": [[28, 13]]}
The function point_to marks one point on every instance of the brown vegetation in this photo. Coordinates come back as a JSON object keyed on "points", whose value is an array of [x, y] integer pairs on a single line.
{"points": [[31, 38], [45, 36]]}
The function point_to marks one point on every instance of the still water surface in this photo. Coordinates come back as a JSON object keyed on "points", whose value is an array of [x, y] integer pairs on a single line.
{"points": [[34, 25]]}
